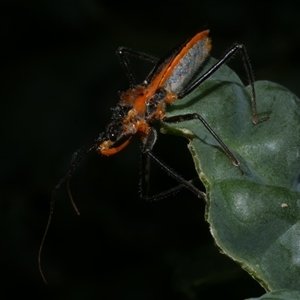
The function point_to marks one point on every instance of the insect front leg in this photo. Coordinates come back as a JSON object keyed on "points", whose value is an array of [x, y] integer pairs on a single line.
{"points": [[147, 154]]}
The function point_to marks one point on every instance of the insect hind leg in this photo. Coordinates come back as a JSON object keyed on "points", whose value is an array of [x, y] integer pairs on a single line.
{"points": [[236, 48]]}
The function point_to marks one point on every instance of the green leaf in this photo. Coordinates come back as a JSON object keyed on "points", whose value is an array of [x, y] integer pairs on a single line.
{"points": [[254, 210], [280, 295]]}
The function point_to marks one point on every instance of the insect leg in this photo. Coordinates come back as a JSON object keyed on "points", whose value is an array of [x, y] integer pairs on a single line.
{"points": [[183, 182], [188, 117], [147, 154], [123, 54], [226, 57]]}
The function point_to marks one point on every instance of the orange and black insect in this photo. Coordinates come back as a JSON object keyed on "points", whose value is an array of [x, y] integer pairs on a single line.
{"points": [[143, 105]]}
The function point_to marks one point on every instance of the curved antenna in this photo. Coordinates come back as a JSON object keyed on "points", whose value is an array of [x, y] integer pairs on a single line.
{"points": [[75, 162]]}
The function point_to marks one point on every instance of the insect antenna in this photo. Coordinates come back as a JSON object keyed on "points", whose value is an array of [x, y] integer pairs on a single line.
{"points": [[77, 158]]}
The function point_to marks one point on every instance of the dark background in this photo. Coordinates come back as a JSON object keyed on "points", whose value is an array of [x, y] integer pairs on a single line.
{"points": [[60, 78]]}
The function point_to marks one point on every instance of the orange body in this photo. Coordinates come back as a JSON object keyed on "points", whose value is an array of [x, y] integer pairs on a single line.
{"points": [[170, 77]]}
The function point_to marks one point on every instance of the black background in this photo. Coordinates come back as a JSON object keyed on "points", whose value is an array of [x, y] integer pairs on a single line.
{"points": [[60, 78]]}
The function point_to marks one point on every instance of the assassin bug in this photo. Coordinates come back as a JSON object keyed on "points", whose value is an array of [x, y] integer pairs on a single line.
{"points": [[143, 105]]}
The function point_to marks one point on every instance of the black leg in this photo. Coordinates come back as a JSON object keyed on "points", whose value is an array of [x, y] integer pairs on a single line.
{"points": [[147, 154], [123, 54], [227, 56], [182, 182], [145, 177], [188, 117]]}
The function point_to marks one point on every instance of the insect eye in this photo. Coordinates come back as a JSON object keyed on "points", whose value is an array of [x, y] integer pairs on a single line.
{"points": [[114, 131]]}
